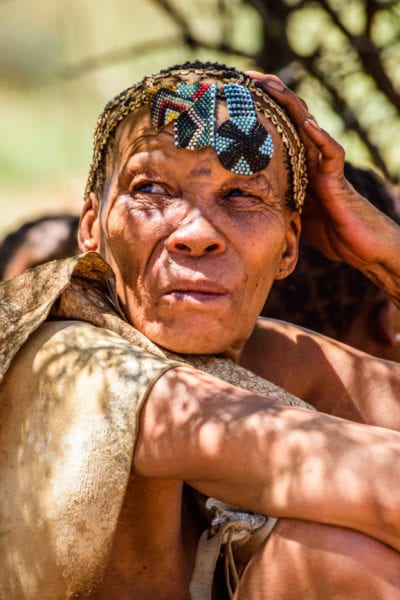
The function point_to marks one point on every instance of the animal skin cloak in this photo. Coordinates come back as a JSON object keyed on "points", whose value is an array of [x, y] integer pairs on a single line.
{"points": [[74, 375]]}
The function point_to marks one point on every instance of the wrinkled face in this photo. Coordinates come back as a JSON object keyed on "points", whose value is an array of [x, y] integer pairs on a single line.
{"points": [[195, 248]]}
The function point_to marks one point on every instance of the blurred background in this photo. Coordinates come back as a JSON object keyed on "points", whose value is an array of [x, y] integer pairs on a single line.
{"points": [[61, 60]]}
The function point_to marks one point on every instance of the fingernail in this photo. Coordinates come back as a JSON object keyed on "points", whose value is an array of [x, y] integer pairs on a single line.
{"points": [[275, 85], [313, 123]]}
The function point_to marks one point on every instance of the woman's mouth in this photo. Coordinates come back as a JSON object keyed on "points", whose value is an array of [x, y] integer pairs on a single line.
{"points": [[200, 291]]}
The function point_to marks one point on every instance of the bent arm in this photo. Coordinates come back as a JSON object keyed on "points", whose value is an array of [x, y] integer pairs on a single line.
{"points": [[337, 219], [344, 224], [266, 457]]}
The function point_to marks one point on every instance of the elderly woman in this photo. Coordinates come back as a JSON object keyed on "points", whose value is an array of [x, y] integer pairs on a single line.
{"points": [[130, 361]]}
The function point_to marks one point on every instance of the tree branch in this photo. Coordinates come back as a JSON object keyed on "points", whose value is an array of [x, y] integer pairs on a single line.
{"points": [[347, 114], [104, 60], [368, 53], [101, 61], [179, 18]]}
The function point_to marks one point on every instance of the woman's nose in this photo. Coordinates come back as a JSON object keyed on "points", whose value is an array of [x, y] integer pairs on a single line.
{"points": [[196, 236]]}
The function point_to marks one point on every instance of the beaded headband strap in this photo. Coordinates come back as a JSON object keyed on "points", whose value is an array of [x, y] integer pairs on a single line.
{"points": [[186, 96]]}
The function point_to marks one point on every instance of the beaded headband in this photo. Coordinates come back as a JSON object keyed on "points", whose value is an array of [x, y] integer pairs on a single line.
{"points": [[186, 96], [242, 144]]}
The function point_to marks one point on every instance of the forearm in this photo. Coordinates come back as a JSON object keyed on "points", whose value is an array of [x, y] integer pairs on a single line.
{"points": [[273, 459], [385, 272], [372, 244], [358, 233], [336, 219]]}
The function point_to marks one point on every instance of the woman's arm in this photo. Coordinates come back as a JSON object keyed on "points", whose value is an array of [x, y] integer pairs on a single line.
{"points": [[336, 219], [266, 457]]}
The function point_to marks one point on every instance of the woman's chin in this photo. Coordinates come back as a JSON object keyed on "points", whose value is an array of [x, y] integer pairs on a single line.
{"points": [[182, 343], [220, 345]]}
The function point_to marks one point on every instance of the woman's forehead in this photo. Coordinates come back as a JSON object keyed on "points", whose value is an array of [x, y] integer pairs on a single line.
{"points": [[186, 94], [142, 149], [138, 127]]}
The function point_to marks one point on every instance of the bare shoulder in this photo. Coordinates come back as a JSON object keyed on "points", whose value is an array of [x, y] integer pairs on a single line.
{"points": [[277, 350], [332, 376]]}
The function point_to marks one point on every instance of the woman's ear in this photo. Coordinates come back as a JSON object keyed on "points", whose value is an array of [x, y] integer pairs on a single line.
{"points": [[89, 226], [291, 252]]}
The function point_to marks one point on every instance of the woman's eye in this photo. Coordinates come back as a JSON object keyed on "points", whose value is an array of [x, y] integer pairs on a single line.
{"points": [[235, 193], [149, 188], [239, 199]]}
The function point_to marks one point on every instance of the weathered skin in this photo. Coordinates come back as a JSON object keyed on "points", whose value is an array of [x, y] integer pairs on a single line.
{"points": [[195, 250]]}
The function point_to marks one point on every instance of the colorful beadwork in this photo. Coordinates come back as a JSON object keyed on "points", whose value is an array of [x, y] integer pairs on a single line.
{"points": [[192, 77], [168, 106], [192, 107], [242, 144], [195, 128]]}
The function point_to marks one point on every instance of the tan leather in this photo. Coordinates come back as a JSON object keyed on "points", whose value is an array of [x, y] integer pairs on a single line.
{"points": [[70, 405]]}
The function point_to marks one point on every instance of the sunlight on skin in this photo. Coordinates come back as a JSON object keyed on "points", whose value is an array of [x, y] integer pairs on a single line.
{"points": [[176, 291]]}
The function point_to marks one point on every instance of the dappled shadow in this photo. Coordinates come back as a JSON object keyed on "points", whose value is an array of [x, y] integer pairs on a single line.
{"points": [[69, 407], [277, 460]]}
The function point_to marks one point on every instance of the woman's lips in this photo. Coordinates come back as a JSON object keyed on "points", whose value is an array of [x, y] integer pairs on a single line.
{"points": [[200, 291], [195, 295]]}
